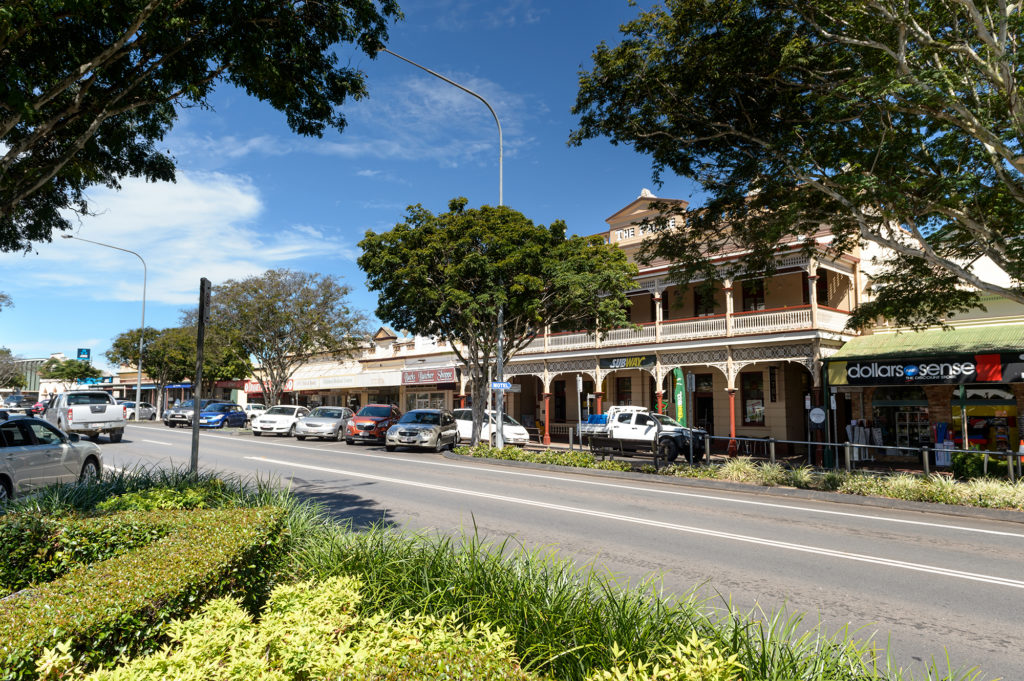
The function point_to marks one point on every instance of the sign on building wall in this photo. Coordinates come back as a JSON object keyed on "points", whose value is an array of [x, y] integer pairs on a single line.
{"points": [[424, 376], [988, 368], [628, 362]]}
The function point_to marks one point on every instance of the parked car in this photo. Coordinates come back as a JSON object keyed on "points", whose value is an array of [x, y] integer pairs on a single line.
{"points": [[324, 423], [18, 403], [424, 429], [513, 432], [221, 415], [371, 423], [38, 409], [254, 409], [279, 420], [181, 415], [636, 428], [89, 413], [34, 454], [147, 412]]}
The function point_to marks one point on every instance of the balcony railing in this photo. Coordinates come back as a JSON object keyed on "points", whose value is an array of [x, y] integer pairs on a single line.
{"points": [[696, 328]]}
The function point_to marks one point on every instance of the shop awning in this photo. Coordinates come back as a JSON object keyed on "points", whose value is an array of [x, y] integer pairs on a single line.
{"points": [[935, 343]]}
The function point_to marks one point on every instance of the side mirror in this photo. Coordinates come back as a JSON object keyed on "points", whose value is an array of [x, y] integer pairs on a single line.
{"points": [[74, 437]]}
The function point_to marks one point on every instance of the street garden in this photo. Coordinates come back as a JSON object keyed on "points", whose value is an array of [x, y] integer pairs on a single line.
{"points": [[155, 573]]}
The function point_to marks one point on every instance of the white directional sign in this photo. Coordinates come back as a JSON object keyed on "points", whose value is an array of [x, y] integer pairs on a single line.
{"points": [[501, 385]]}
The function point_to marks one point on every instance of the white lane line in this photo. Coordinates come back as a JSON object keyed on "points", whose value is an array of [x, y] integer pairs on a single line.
{"points": [[158, 442], [648, 490], [803, 548]]}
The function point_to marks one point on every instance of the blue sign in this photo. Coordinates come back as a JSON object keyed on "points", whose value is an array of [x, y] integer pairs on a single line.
{"points": [[83, 354], [501, 385]]}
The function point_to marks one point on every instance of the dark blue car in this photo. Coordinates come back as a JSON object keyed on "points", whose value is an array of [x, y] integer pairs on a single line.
{"points": [[222, 414]]}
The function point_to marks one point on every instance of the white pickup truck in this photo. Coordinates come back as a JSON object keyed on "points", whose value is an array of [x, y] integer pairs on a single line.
{"points": [[635, 428], [88, 412]]}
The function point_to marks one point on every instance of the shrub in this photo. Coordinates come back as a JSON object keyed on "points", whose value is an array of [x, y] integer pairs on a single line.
{"points": [[122, 604], [803, 477], [612, 465], [970, 465], [316, 631], [39, 549], [833, 480], [160, 498], [861, 485], [691, 660], [772, 474], [739, 469]]}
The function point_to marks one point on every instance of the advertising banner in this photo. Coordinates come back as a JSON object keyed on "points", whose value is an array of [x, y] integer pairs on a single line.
{"points": [[983, 368], [426, 376], [680, 395], [627, 362]]}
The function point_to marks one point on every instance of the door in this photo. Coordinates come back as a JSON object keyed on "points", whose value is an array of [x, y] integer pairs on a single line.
{"points": [[28, 461], [61, 465], [644, 428], [704, 412]]}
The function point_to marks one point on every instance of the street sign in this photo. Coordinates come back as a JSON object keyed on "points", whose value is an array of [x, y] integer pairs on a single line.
{"points": [[579, 384], [691, 382], [83, 354], [516, 388], [501, 385], [817, 416]]}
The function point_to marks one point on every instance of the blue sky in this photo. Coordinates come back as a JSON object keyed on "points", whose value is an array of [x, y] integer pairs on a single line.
{"points": [[251, 195]]}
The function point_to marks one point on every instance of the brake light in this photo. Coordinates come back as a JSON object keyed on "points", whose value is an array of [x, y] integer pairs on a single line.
{"points": [[71, 414], [124, 412]]}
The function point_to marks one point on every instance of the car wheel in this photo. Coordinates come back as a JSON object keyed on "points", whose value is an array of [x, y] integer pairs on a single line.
{"points": [[439, 445], [291, 431], [256, 433], [152, 417], [456, 442], [389, 448], [300, 438], [668, 450], [338, 436], [116, 435], [349, 442], [6, 491], [90, 471]]}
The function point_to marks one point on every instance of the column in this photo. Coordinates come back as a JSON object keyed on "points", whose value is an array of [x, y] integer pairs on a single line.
{"points": [[462, 401], [659, 316], [732, 421], [729, 306], [598, 396], [661, 401], [812, 290], [547, 335], [547, 418]]}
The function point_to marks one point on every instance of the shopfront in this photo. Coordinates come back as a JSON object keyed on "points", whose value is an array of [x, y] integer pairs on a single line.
{"points": [[431, 388], [926, 399]]}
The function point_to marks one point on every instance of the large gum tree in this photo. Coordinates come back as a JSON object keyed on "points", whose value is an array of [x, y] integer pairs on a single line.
{"points": [[892, 122], [89, 88], [446, 276]]}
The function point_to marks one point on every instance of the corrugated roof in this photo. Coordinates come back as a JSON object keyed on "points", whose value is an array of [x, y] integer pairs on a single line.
{"points": [[973, 340]]}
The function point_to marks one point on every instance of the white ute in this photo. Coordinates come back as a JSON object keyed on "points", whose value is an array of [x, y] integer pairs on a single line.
{"points": [[89, 413]]}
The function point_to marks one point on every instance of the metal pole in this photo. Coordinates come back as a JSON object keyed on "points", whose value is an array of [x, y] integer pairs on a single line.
{"points": [[771, 449], [197, 392], [500, 400], [924, 460], [142, 329], [848, 451]]}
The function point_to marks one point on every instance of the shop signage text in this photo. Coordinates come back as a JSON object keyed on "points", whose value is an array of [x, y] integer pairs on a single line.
{"points": [[990, 368], [420, 376], [627, 362]]}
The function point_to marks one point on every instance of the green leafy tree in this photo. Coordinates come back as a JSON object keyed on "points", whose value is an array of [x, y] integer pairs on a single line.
{"points": [[889, 122], [447, 275], [11, 375], [5, 300], [283, 319], [90, 88], [68, 371], [224, 358], [165, 355]]}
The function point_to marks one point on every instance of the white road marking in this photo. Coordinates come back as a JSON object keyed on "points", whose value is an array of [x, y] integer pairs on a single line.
{"points": [[158, 442], [803, 548], [650, 490]]}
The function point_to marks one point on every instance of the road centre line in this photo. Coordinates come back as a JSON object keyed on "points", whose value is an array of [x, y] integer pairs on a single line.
{"points": [[649, 490], [802, 548]]}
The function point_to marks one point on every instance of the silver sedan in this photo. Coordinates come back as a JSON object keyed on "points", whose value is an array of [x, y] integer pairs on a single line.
{"points": [[326, 423], [34, 454], [424, 429]]}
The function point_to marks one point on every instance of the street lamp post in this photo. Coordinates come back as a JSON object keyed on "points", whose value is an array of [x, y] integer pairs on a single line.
{"points": [[142, 329], [499, 436]]}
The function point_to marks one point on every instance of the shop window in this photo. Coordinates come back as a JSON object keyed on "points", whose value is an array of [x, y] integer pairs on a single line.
{"points": [[703, 302], [624, 390], [752, 398], [752, 294], [703, 383]]}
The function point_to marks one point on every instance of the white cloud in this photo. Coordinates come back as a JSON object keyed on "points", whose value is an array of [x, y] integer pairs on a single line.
{"points": [[200, 226]]}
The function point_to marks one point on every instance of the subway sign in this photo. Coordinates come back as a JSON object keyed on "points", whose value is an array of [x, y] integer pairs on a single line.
{"points": [[627, 362], [988, 368]]}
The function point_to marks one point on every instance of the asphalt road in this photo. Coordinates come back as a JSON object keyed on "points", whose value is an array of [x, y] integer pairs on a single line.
{"points": [[926, 584]]}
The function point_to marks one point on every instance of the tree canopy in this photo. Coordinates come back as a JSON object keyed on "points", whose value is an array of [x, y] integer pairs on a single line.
{"points": [[888, 122], [283, 319], [90, 88], [68, 371], [446, 276], [11, 375]]}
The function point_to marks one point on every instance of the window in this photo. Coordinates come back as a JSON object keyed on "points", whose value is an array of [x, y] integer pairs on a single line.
{"points": [[624, 390], [703, 302], [45, 434], [643, 420], [753, 294], [12, 435], [752, 398]]}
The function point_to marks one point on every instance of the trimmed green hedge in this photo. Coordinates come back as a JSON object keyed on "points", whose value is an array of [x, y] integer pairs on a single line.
{"points": [[122, 605], [38, 549]]}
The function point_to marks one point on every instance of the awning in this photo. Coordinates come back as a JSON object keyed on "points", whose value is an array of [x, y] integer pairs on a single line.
{"points": [[964, 341]]}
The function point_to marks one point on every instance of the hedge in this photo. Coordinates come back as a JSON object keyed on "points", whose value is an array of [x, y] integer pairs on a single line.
{"points": [[122, 605], [40, 549]]}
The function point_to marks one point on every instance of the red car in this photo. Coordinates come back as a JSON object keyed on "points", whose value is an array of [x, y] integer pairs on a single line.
{"points": [[371, 423]]}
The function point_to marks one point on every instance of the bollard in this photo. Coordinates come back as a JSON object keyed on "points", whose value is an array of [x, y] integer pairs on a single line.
{"points": [[707, 446], [924, 460], [771, 449], [1010, 464], [984, 465], [570, 439], [847, 454], [690, 440]]}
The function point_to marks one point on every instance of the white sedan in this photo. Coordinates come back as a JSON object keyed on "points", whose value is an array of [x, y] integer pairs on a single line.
{"points": [[147, 412], [34, 454], [278, 420], [513, 432]]}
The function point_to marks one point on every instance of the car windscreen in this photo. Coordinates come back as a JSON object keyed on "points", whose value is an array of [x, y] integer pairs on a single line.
{"points": [[429, 418], [325, 413], [667, 421], [287, 411], [380, 412], [509, 421], [186, 403], [220, 407], [89, 398]]}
